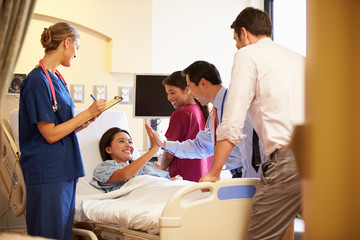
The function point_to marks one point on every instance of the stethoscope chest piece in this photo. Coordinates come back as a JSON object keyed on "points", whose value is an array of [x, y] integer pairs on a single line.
{"points": [[55, 107]]}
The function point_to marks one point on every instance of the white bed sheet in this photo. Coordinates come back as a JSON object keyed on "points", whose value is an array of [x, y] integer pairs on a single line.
{"points": [[137, 205]]}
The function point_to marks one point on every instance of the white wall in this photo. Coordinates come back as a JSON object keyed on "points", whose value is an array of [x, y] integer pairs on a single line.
{"points": [[290, 24], [186, 31], [126, 22]]}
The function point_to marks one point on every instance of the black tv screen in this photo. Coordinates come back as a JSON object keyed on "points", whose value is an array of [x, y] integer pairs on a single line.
{"points": [[150, 97]]}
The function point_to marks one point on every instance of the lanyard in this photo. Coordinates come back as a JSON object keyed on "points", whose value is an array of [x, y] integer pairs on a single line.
{"points": [[55, 105], [222, 106], [215, 120]]}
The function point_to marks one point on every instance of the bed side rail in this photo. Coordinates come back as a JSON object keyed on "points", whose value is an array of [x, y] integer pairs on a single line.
{"points": [[223, 214], [12, 182]]}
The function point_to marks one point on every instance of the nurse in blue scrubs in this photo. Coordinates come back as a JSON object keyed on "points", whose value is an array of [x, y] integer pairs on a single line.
{"points": [[50, 154]]}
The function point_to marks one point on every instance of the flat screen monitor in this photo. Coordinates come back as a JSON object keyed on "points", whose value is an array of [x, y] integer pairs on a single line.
{"points": [[150, 100]]}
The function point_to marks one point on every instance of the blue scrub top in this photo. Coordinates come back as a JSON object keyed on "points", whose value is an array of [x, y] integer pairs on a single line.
{"points": [[42, 162]]}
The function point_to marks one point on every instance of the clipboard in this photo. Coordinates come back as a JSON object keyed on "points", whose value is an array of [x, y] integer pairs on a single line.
{"points": [[109, 104], [112, 102]]}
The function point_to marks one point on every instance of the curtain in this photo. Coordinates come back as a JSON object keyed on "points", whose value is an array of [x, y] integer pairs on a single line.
{"points": [[14, 20]]}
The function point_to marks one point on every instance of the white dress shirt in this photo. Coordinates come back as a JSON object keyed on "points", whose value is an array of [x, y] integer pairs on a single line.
{"points": [[268, 80]]}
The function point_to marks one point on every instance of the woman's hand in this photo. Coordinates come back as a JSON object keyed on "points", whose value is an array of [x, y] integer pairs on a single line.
{"points": [[86, 124], [53, 133], [150, 131], [156, 164], [177, 177], [156, 138], [93, 112], [97, 107]]}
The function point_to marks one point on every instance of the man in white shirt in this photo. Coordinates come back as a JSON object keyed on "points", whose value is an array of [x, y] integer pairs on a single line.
{"points": [[267, 81]]}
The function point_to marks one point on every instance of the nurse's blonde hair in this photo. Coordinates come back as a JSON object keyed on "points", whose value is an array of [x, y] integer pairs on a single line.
{"points": [[55, 34]]}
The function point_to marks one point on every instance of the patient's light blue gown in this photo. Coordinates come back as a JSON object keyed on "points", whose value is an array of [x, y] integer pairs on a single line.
{"points": [[105, 170]]}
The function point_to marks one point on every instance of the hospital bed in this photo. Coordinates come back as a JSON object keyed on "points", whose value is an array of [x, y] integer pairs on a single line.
{"points": [[145, 207]]}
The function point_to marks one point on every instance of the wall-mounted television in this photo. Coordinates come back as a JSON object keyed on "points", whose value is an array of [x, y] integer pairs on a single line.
{"points": [[150, 100]]}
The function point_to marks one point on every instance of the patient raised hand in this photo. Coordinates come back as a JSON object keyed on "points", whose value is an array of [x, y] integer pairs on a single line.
{"points": [[116, 150], [155, 136]]}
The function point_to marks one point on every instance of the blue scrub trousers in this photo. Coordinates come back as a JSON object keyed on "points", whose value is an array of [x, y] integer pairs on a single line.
{"points": [[50, 209]]}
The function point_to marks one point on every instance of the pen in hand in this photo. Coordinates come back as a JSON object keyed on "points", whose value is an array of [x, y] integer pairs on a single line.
{"points": [[92, 97]]}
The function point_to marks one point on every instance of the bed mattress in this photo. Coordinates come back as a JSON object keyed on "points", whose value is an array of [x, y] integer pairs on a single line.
{"points": [[137, 205]]}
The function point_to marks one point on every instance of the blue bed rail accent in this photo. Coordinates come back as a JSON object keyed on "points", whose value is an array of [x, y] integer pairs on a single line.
{"points": [[235, 192]]}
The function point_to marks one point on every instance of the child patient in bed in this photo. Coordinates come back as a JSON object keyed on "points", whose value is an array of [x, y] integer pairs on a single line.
{"points": [[116, 149]]}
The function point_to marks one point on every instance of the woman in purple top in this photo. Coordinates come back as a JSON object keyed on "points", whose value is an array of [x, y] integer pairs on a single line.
{"points": [[185, 122]]}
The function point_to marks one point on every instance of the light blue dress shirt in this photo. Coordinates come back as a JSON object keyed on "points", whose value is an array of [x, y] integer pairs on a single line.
{"points": [[202, 146]]}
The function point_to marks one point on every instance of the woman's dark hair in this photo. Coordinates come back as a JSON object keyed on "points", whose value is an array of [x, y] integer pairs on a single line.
{"points": [[55, 34], [106, 140], [254, 20], [202, 69], [178, 79]]}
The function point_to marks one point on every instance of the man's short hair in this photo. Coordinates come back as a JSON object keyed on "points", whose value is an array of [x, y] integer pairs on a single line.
{"points": [[202, 69], [254, 20]]}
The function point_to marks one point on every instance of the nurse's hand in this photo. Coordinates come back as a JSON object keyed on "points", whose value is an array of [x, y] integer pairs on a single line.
{"points": [[86, 124], [97, 107], [92, 112]]}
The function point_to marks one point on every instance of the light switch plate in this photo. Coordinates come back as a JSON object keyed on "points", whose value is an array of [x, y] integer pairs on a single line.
{"points": [[126, 94], [77, 93], [100, 92]]}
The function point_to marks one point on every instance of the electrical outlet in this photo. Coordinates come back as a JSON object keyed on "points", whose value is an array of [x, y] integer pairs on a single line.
{"points": [[100, 92], [77, 93], [125, 93]]}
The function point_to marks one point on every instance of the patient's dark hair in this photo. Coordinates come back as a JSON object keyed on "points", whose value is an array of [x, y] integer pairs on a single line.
{"points": [[106, 140], [178, 79]]}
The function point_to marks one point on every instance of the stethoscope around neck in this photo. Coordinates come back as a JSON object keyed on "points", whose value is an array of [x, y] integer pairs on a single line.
{"points": [[55, 106]]}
